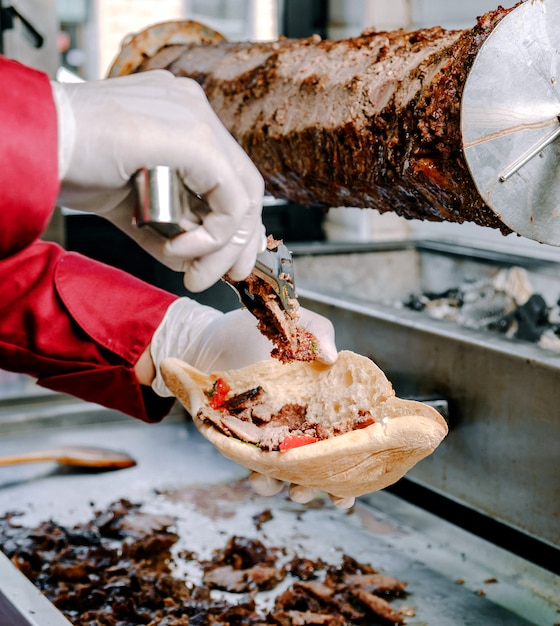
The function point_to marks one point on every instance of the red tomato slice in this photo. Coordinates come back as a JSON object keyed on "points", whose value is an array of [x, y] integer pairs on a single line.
{"points": [[295, 441], [218, 394]]}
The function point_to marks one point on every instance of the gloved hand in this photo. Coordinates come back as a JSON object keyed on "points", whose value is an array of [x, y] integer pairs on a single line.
{"points": [[267, 486], [211, 340], [109, 129]]}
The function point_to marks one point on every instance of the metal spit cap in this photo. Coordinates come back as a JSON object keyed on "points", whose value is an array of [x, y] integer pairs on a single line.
{"points": [[511, 120]]}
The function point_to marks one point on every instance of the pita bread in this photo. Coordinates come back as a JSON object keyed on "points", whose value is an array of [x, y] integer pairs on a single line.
{"points": [[347, 465]]}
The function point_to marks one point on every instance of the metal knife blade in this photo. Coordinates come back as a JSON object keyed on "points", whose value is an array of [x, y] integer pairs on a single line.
{"points": [[166, 205]]}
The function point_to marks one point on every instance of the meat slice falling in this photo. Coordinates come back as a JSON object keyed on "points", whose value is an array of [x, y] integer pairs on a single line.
{"points": [[291, 340], [371, 121]]}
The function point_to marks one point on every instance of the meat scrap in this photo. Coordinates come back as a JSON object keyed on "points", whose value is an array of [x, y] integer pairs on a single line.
{"points": [[375, 583], [261, 518], [343, 603], [244, 565], [293, 618], [116, 570], [378, 606], [292, 342]]}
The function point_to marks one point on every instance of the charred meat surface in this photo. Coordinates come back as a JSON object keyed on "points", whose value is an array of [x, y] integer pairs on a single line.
{"points": [[117, 570], [371, 121]]}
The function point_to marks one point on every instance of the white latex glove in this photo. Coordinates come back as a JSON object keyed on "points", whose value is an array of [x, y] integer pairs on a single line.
{"points": [[211, 340], [109, 129], [267, 486]]}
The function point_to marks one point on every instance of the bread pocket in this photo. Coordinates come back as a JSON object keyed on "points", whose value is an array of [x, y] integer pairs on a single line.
{"points": [[338, 428]]}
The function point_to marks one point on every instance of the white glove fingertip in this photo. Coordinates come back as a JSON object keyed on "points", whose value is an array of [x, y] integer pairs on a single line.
{"points": [[242, 268], [342, 503], [302, 494], [177, 246], [324, 332], [201, 274], [247, 258], [327, 355], [265, 485], [196, 283]]}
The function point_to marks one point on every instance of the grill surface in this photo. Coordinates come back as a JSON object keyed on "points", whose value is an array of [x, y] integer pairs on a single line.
{"points": [[210, 502]]}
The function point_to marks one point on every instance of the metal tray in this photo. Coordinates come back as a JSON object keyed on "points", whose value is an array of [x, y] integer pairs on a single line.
{"points": [[180, 473], [501, 455], [21, 603]]}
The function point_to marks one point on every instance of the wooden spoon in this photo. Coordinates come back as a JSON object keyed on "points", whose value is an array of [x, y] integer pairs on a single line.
{"points": [[79, 456]]}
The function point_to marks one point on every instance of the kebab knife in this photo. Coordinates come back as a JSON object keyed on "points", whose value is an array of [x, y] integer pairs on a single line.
{"points": [[166, 205]]}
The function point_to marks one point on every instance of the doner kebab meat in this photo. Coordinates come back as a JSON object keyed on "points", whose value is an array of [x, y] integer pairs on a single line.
{"points": [[371, 121]]}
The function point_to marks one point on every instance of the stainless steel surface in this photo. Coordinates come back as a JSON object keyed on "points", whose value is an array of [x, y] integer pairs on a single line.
{"points": [[510, 116], [178, 472], [21, 45], [165, 204], [501, 455], [530, 154]]}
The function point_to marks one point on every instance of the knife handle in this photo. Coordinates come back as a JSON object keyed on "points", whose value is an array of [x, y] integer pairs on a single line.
{"points": [[165, 204]]}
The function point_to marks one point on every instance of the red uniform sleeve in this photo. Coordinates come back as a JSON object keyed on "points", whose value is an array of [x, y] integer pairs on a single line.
{"points": [[75, 324], [28, 147]]}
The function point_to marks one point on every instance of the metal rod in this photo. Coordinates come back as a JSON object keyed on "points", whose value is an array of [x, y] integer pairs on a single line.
{"points": [[530, 154]]}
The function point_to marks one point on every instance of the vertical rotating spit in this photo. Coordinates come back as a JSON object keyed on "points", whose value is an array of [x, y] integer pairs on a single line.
{"points": [[434, 124]]}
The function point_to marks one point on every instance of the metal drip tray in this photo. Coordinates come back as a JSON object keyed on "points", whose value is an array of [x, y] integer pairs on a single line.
{"points": [[499, 458], [453, 577], [501, 455]]}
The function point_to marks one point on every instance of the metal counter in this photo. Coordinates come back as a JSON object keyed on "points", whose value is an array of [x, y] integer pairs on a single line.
{"points": [[502, 454], [180, 473]]}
